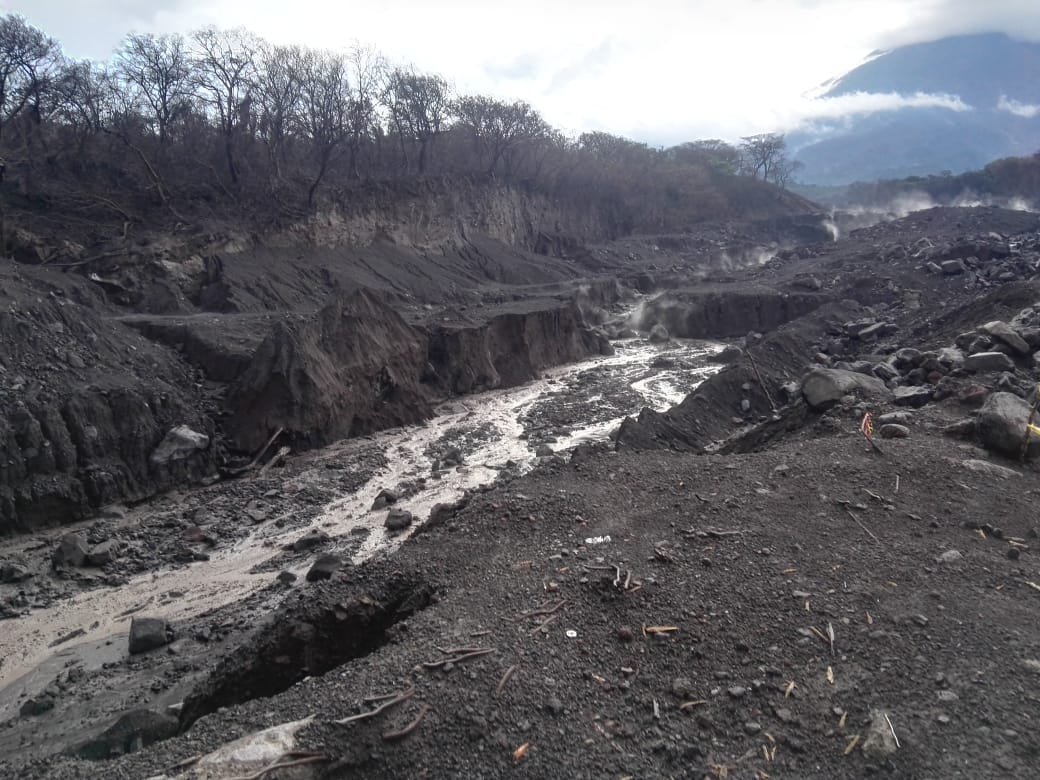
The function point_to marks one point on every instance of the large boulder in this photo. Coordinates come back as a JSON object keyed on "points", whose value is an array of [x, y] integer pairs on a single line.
{"points": [[179, 443], [1001, 425], [71, 551], [147, 634], [988, 361], [823, 387], [1004, 332]]}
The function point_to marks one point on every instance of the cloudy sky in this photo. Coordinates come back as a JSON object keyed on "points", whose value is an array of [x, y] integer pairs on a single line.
{"points": [[661, 71]]}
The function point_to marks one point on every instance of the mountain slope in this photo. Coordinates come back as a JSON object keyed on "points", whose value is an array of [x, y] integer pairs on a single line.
{"points": [[992, 75]]}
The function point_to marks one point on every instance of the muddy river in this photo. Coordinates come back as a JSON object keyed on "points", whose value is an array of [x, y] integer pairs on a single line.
{"points": [[469, 442]]}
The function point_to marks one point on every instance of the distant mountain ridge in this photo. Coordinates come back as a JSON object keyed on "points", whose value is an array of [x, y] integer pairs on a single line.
{"points": [[993, 79]]}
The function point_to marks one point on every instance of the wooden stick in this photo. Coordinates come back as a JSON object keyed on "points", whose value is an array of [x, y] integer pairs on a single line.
{"points": [[391, 736], [856, 520], [540, 611], [545, 623], [762, 384], [505, 678], [403, 696], [457, 658]]}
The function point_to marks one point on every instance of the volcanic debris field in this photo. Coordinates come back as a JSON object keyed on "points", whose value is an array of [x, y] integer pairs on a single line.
{"points": [[612, 514]]}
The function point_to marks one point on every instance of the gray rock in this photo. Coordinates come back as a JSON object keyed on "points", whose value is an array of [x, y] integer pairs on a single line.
{"points": [[286, 577], [310, 540], [885, 371], [180, 443], [384, 499], [730, 354], [907, 357], [951, 357], [106, 552], [988, 361], [72, 551], [397, 520], [1001, 425], [147, 634], [915, 397], [324, 567], [950, 556], [899, 418], [36, 706], [544, 451], [823, 387], [133, 731], [879, 741], [989, 469], [1004, 332], [894, 431], [682, 688], [953, 267], [980, 344], [14, 571], [807, 282]]}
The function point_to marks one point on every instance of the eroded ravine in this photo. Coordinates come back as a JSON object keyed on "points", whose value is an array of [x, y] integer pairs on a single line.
{"points": [[493, 431]]}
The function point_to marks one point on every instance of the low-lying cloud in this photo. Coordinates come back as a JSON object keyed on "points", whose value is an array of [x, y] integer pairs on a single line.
{"points": [[1025, 110]]}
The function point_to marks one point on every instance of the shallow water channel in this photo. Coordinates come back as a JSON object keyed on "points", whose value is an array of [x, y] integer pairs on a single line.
{"points": [[491, 431]]}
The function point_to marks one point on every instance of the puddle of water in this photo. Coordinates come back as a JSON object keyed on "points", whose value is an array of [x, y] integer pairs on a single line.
{"points": [[226, 577]]}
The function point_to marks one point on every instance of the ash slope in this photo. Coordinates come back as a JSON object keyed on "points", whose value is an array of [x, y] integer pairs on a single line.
{"points": [[697, 640]]}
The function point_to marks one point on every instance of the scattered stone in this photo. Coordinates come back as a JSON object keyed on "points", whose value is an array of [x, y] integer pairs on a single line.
{"points": [[180, 443], [885, 371], [13, 571], [912, 396], [286, 577], [730, 354], [324, 567], [554, 705], [71, 552], [148, 634], [950, 556], [894, 431], [397, 520], [106, 552], [310, 540], [36, 706], [625, 634], [1003, 332], [784, 715], [752, 728], [953, 267], [988, 361], [544, 451], [879, 741], [682, 688], [899, 418], [736, 691], [385, 498]]}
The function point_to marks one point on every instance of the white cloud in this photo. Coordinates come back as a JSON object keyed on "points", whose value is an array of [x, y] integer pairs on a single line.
{"points": [[1025, 110]]}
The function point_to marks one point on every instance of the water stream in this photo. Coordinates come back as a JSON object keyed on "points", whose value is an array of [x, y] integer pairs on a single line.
{"points": [[503, 428]]}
